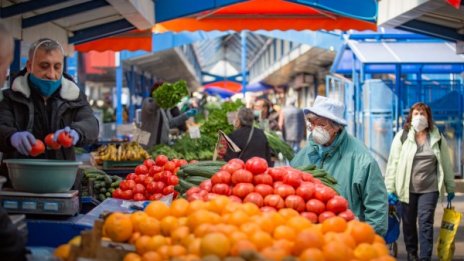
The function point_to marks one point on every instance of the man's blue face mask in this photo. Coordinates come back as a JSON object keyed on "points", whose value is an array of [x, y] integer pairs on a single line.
{"points": [[45, 87]]}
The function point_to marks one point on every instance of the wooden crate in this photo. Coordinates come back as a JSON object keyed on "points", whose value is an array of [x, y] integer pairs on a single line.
{"points": [[93, 247]]}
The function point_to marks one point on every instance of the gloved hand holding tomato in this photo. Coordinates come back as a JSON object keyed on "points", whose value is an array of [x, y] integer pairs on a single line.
{"points": [[67, 137]]}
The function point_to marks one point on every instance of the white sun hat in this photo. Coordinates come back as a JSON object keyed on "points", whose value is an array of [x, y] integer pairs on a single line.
{"points": [[328, 108]]}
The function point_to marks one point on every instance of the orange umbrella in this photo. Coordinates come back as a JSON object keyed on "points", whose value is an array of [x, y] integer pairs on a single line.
{"points": [[263, 15]]}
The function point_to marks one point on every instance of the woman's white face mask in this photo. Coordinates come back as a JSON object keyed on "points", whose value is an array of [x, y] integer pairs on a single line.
{"points": [[419, 122], [320, 135]]}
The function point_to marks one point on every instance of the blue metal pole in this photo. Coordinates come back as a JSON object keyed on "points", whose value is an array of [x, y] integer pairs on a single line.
{"points": [[119, 76], [132, 92], [355, 96], [244, 63], [16, 64], [398, 96]]}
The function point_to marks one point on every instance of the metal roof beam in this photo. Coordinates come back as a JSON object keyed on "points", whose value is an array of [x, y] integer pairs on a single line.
{"points": [[434, 30], [100, 31], [57, 14], [25, 7]]}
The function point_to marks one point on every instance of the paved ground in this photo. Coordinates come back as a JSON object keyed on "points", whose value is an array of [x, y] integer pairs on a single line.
{"points": [[458, 203]]}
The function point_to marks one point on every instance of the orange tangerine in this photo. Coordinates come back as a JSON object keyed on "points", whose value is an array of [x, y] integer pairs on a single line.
{"points": [[364, 252], [157, 209], [136, 217], [177, 250], [218, 204], [149, 226], [312, 254], [141, 244], [334, 224], [196, 205], [299, 223], [168, 224], [118, 227], [362, 232], [251, 209], [215, 244], [308, 238], [284, 232], [151, 256], [242, 245], [179, 233], [261, 239], [132, 257], [238, 217], [288, 213], [156, 242], [179, 208]]}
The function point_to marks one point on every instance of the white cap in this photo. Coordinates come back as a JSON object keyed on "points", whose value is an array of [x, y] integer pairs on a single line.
{"points": [[328, 108]]}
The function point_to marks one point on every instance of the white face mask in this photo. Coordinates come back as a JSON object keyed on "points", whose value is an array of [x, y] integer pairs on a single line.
{"points": [[419, 123], [320, 135]]}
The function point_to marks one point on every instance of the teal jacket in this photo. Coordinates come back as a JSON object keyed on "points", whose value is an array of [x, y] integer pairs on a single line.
{"points": [[358, 175], [398, 174]]}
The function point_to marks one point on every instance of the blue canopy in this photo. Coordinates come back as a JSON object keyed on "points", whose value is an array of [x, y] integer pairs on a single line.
{"points": [[258, 86], [215, 91]]}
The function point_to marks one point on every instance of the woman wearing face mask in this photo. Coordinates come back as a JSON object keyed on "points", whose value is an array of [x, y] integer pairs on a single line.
{"points": [[347, 159], [418, 170]]}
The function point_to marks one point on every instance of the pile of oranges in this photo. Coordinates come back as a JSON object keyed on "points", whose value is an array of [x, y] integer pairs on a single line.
{"points": [[223, 228]]}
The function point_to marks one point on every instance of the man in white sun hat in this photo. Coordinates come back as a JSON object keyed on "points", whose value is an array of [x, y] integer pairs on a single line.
{"points": [[347, 159]]}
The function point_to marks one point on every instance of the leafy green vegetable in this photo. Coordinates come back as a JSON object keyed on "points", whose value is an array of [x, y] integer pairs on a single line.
{"points": [[278, 145], [217, 118], [168, 94]]}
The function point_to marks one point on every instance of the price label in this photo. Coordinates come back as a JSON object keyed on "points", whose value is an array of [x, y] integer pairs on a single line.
{"points": [[141, 136]]}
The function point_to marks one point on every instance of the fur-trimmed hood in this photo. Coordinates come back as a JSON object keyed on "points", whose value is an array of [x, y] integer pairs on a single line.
{"points": [[68, 91]]}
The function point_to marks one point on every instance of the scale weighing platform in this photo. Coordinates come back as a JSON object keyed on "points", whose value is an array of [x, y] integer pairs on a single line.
{"points": [[63, 204]]}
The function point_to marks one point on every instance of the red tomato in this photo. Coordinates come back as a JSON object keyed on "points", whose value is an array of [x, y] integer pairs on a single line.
{"points": [[264, 189], [284, 190], [149, 163], [306, 177], [206, 185], [277, 174], [158, 196], [310, 215], [235, 199], [221, 177], [195, 196], [147, 180], [254, 198], [231, 167], [160, 160], [347, 215], [141, 170], [139, 197], [268, 209], [295, 202], [127, 194], [274, 201], [324, 193], [315, 206], [337, 204], [158, 176], [256, 165], [152, 197], [154, 169], [140, 178], [263, 179], [305, 190], [211, 196], [293, 178], [221, 189], [165, 176], [325, 215], [131, 176], [65, 139], [139, 188], [203, 193], [173, 180], [151, 187], [168, 190], [37, 149], [50, 143], [237, 161], [317, 182], [183, 162], [241, 190], [117, 193], [277, 183], [159, 186], [170, 166], [241, 176], [192, 190]]}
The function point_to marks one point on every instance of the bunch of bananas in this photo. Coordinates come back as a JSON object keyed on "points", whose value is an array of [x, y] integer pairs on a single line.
{"points": [[128, 151]]}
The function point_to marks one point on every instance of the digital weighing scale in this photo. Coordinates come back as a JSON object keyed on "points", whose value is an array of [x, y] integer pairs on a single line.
{"points": [[64, 204]]}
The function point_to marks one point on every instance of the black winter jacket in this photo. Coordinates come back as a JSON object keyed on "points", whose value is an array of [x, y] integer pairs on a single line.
{"points": [[258, 147], [23, 109]]}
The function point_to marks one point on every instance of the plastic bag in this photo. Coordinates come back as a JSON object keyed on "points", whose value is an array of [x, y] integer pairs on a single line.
{"points": [[448, 229]]}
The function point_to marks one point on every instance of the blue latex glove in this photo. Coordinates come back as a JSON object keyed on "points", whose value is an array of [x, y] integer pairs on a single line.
{"points": [[22, 141], [74, 135], [191, 112], [392, 199], [450, 196]]}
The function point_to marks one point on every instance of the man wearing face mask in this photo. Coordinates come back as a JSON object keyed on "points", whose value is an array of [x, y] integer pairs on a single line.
{"points": [[358, 175], [43, 100], [419, 170]]}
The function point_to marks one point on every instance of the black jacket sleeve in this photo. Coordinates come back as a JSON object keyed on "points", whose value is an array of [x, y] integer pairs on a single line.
{"points": [[86, 124]]}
